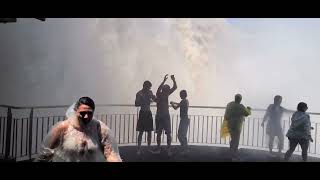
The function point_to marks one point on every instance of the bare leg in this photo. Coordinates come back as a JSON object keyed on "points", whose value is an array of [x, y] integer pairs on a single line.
{"points": [[157, 151], [280, 144], [149, 137], [271, 140], [139, 142]]}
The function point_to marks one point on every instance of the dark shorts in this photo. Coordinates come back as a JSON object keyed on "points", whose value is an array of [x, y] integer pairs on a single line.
{"points": [[163, 122], [145, 121]]}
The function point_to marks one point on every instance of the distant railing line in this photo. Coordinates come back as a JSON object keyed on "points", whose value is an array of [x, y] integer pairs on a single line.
{"points": [[126, 105]]}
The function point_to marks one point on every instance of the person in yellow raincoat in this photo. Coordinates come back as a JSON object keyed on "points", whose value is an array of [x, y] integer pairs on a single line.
{"points": [[234, 116]]}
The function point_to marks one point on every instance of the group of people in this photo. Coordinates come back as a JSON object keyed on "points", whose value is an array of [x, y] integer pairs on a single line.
{"points": [[298, 133], [162, 119], [81, 137], [235, 113]]}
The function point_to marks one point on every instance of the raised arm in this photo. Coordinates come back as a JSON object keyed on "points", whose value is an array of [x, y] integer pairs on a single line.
{"points": [[174, 84], [160, 86]]}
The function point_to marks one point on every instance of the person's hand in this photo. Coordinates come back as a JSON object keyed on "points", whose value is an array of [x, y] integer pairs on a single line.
{"points": [[172, 77], [173, 104], [165, 77], [310, 138]]}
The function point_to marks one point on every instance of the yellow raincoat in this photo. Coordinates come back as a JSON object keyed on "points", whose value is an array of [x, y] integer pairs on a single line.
{"points": [[224, 132]]}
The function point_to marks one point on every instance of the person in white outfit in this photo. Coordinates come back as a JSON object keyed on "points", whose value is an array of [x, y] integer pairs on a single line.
{"points": [[80, 138]]}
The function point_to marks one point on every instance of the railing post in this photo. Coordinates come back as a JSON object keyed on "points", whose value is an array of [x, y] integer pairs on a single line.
{"points": [[8, 134], [134, 129], [315, 139], [30, 133]]}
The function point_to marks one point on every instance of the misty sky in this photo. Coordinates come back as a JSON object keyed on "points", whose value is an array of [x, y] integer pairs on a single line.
{"points": [[56, 61], [289, 49]]}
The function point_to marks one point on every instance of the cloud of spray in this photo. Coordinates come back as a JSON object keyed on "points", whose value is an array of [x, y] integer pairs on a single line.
{"points": [[155, 47], [57, 61], [195, 48]]}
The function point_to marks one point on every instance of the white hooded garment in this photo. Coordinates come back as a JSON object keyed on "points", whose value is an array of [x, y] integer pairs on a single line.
{"points": [[65, 143]]}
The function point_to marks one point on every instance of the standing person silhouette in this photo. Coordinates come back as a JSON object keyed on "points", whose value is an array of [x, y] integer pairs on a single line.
{"points": [[235, 115], [299, 132], [163, 121], [274, 115], [184, 120], [145, 121]]}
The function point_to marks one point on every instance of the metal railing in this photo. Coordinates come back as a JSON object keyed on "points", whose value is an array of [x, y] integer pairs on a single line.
{"points": [[21, 137]]}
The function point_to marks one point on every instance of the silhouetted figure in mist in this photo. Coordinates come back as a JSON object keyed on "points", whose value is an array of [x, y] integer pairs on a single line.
{"points": [[163, 121], [274, 115], [145, 122], [299, 131], [184, 120], [235, 115]]}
